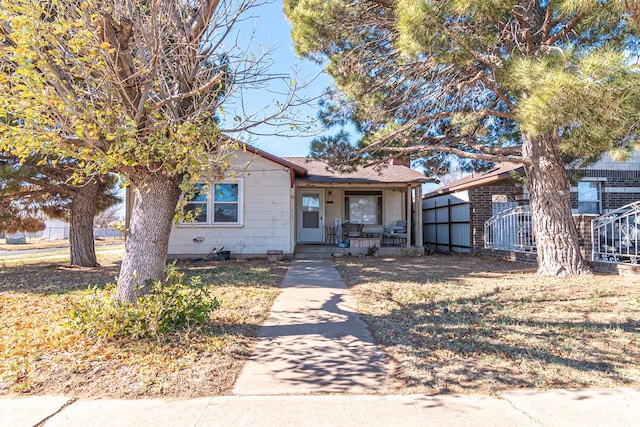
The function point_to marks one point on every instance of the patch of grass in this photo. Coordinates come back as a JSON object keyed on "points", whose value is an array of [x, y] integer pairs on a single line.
{"points": [[56, 254], [456, 323], [38, 355], [40, 243]]}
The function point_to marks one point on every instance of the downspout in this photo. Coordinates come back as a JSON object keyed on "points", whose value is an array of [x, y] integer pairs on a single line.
{"points": [[293, 212]]}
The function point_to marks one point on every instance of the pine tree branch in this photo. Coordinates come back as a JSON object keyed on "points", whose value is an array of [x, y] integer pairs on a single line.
{"points": [[548, 21], [383, 3], [565, 31], [424, 150]]}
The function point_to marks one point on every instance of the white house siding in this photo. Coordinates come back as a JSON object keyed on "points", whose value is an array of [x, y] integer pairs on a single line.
{"points": [[393, 205], [607, 163], [333, 205], [267, 224]]}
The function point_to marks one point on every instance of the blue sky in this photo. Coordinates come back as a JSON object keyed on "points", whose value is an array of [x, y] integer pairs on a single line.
{"points": [[272, 32]]}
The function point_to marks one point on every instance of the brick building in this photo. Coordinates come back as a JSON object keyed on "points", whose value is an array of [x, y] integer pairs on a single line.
{"points": [[454, 216]]}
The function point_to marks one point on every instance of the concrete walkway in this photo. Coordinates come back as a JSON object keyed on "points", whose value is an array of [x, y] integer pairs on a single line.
{"points": [[589, 407], [316, 365], [314, 341]]}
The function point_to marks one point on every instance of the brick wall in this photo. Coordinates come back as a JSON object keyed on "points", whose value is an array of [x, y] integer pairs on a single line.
{"points": [[525, 257], [583, 224], [619, 187], [480, 204]]}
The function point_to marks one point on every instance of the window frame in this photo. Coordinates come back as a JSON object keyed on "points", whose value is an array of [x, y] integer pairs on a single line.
{"points": [[598, 199], [210, 204], [379, 207]]}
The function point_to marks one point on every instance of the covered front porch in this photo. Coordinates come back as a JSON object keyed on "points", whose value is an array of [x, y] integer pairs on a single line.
{"points": [[366, 208], [356, 216]]}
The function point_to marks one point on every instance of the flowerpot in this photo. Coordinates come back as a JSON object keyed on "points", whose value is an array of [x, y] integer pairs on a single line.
{"points": [[274, 255]]}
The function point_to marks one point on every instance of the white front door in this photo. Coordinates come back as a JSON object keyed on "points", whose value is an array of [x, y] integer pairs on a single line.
{"points": [[311, 216]]}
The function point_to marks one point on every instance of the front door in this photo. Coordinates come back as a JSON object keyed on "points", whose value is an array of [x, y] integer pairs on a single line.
{"points": [[311, 216]]}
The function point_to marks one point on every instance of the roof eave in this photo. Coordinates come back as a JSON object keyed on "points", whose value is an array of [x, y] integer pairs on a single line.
{"points": [[470, 184], [360, 181], [299, 170]]}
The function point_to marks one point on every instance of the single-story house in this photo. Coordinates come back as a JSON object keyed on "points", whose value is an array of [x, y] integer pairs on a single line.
{"points": [[454, 215], [274, 204]]}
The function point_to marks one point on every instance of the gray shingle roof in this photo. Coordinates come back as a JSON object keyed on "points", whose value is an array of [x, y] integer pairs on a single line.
{"points": [[390, 174]]}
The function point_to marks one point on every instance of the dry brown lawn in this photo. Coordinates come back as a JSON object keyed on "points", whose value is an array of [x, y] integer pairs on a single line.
{"points": [[458, 323], [450, 323], [39, 243], [40, 355]]}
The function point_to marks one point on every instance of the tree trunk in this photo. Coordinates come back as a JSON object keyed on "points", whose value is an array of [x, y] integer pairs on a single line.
{"points": [[83, 209], [555, 231], [147, 237]]}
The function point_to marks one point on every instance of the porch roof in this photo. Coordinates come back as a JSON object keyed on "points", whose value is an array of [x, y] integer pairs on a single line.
{"points": [[317, 173]]}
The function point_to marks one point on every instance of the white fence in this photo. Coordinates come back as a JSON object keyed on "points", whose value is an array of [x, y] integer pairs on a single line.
{"points": [[107, 232], [62, 233], [615, 236], [510, 230]]}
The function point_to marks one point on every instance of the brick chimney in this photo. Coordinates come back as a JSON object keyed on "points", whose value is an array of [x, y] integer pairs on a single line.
{"points": [[401, 162]]}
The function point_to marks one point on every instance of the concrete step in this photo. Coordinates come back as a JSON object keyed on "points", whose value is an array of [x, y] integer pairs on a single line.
{"points": [[331, 251], [315, 251]]}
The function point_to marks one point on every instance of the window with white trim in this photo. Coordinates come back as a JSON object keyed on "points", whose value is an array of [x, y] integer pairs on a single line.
{"points": [[589, 197], [220, 204]]}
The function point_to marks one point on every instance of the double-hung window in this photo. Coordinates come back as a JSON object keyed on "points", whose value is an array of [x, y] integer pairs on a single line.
{"points": [[226, 203], [196, 210], [589, 197], [219, 204]]}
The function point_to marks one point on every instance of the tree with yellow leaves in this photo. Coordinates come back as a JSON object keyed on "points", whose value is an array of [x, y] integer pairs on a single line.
{"points": [[128, 87]]}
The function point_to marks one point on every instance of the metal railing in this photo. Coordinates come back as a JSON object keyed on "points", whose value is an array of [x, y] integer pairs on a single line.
{"points": [[615, 236], [510, 230]]}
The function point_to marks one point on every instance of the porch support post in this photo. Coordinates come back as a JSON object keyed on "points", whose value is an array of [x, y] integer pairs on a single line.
{"points": [[418, 207], [293, 225], [408, 210]]}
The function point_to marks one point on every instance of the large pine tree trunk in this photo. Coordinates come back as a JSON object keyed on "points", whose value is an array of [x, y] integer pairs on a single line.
{"points": [[83, 209], [555, 231], [147, 239]]}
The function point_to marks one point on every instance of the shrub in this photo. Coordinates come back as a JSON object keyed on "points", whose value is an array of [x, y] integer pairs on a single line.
{"points": [[171, 305], [372, 250]]}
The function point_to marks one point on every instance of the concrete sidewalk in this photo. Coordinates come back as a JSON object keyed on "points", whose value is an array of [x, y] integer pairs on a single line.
{"points": [[315, 364], [588, 407], [314, 341]]}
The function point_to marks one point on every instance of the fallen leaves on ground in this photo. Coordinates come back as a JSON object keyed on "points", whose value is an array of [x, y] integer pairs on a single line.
{"points": [[459, 323], [39, 355]]}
